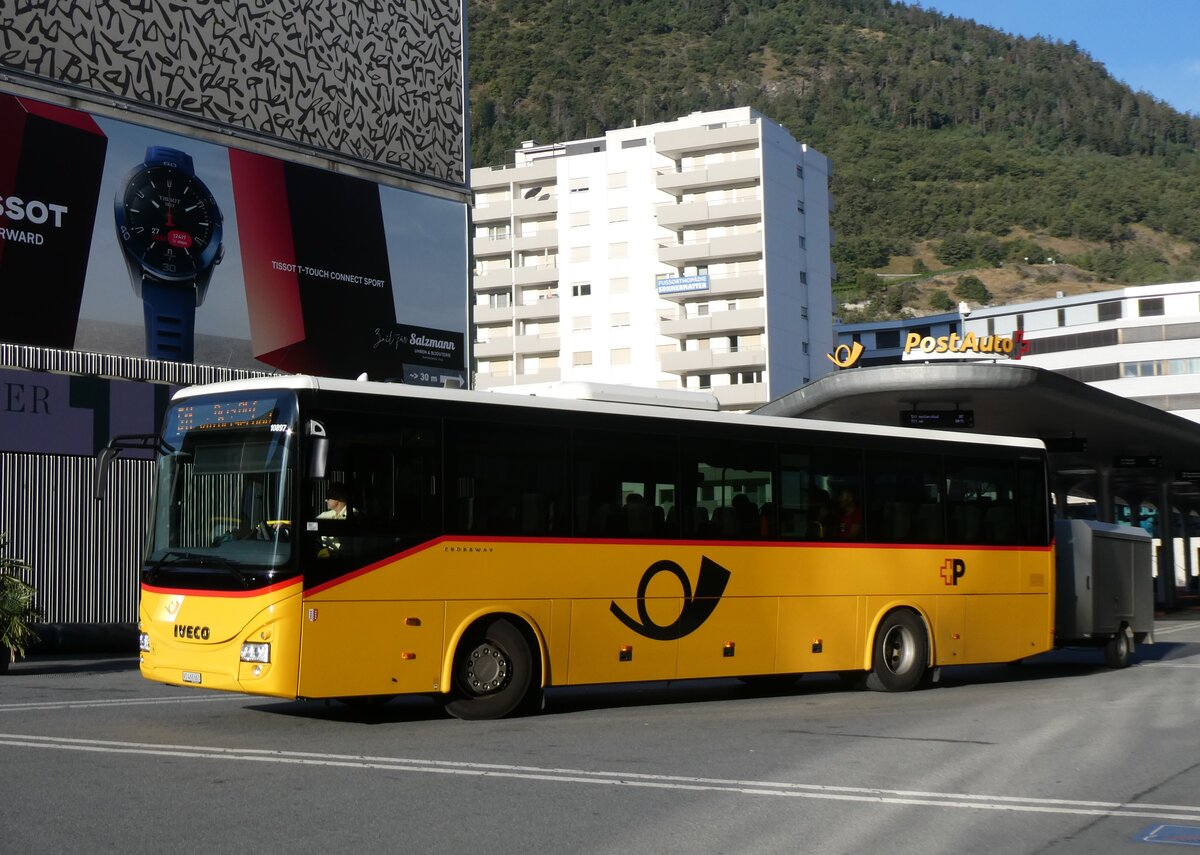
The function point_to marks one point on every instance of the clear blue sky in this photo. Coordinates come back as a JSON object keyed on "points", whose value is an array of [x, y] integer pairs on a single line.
{"points": [[1151, 45]]}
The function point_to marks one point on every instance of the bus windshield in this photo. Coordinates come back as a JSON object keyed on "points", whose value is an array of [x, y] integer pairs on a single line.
{"points": [[223, 515]]}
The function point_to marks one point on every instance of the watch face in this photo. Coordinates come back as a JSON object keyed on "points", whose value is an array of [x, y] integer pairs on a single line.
{"points": [[169, 222]]}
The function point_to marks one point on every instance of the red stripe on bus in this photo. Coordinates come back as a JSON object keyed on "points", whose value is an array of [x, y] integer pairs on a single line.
{"points": [[787, 544], [257, 592]]}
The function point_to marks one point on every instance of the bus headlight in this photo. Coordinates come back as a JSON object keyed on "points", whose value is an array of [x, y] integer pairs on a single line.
{"points": [[143, 642], [256, 652]]}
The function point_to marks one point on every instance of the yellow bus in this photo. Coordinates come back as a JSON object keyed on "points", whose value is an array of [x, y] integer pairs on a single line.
{"points": [[492, 546]]}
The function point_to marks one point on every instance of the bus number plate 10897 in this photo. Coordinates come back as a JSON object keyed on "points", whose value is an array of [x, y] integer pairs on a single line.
{"points": [[191, 677]]}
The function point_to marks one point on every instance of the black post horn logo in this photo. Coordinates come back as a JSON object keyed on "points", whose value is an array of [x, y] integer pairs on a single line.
{"points": [[696, 609]]}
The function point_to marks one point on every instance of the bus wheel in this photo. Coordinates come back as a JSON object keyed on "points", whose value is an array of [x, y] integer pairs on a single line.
{"points": [[493, 672], [1117, 649], [901, 653]]}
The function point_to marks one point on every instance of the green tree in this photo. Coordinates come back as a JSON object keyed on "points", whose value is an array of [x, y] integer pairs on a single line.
{"points": [[972, 288], [941, 301], [955, 249]]}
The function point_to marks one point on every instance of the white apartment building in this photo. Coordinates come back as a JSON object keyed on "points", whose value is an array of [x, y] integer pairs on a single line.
{"points": [[691, 254], [1141, 342]]}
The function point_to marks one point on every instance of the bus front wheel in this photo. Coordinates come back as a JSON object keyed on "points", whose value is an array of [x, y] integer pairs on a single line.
{"points": [[901, 653], [493, 672]]}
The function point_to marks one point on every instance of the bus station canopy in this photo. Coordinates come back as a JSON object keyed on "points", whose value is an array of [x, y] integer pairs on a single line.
{"points": [[1099, 443]]}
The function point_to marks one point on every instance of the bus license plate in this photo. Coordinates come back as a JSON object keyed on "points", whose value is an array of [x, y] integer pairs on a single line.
{"points": [[191, 677]]}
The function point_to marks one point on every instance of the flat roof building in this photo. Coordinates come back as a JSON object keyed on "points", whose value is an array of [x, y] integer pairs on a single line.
{"points": [[1140, 342], [691, 254]]}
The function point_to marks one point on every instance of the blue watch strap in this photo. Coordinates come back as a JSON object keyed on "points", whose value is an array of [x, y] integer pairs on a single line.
{"points": [[182, 161], [170, 320]]}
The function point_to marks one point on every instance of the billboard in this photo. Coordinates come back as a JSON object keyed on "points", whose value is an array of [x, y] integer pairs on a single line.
{"points": [[379, 84], [124, 239]]}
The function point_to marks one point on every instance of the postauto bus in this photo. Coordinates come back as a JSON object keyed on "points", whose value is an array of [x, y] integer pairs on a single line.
{"points": [[492, 546]]}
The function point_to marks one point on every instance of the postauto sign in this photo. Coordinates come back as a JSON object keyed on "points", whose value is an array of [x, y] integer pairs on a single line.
{"points": [[965, 346]]}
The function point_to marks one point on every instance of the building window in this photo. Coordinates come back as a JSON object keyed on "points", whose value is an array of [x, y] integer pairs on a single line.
{"points": [[804, 312], [581, 323], [1109, 311], [1021, 322], [620, 356], [887, 338], [803, 243], [1150, 307], [803, 278], [800, 206], [1062, 317], [800, 172], [804, 346], [581, 289], [584, 357], [705, 381], [619, 319]]}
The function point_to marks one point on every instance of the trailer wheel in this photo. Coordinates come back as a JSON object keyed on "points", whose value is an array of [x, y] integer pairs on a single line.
{"points": [[1118, 649], [901, 653], [494, 672]]}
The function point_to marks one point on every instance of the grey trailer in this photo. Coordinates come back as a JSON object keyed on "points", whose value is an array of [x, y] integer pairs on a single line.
{"points": [[1105, 590]]}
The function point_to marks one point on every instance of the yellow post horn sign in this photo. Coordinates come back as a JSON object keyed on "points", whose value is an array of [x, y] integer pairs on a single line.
{"points": [[845, 355]]}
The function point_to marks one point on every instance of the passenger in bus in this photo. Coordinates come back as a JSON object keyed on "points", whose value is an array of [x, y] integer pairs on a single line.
{"points": [[849, 516], [820, 515]]}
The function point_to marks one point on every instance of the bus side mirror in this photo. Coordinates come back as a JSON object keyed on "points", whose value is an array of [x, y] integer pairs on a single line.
{"points": [[318, 449], [137, 442], [103, 460]]}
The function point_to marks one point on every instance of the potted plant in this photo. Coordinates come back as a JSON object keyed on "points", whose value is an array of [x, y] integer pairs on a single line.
{"points": [[17, 613]]}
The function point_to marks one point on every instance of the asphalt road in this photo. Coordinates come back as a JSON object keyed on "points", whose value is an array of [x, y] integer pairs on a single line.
{"points": [[1057, 755]]}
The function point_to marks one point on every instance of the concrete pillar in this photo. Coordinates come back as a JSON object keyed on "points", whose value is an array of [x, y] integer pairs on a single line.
{"points": [[1104, 501], [1166, 554]]}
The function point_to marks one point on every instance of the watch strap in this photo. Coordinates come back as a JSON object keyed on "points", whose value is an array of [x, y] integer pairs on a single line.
{"points": [[182, 161], [170, 320]]}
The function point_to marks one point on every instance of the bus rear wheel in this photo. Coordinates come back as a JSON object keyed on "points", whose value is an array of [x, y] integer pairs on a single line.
{"points": [[493, 672], [901, 653]]}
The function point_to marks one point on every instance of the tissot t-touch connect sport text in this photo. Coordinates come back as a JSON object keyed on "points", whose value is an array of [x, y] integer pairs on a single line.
{"points": [[169, 228]]}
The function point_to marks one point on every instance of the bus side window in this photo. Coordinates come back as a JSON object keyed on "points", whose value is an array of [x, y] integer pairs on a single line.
{"points": [[904, 498], [507, 479], [625, 485], [734, 483]]}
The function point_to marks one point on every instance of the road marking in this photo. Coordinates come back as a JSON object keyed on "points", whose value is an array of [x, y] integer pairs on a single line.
{"points": [[777, 789], [1169, 664], [115, 702]]}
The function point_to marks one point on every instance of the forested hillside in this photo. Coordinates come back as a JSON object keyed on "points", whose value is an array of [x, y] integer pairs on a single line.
{"points": [[939, 129]]}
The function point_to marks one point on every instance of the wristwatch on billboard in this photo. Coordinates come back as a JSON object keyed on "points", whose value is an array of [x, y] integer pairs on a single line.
{"points": [[169, 228]]}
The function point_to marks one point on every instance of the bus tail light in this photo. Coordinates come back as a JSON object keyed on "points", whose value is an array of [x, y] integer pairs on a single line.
{"points": [[256, 652]]}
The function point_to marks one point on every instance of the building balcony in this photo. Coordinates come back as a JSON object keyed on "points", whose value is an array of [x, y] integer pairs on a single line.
{"points": [[492, 349], [546, 274], [547, 309], [705, 138], [743, 396], [704, 252], [737, 322], [691, 214], [491, 315], [493, 212], [733, 285], [493, 280], [485, 246], [714, 361], [733, 173], [543, 239], [539, 205], [533, 345]]}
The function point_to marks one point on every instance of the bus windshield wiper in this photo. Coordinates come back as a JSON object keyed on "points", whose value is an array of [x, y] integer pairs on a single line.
{"points": [[173, 556]]}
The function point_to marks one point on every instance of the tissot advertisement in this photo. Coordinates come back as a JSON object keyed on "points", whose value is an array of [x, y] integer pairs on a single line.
{"points": [[122, 239]]}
